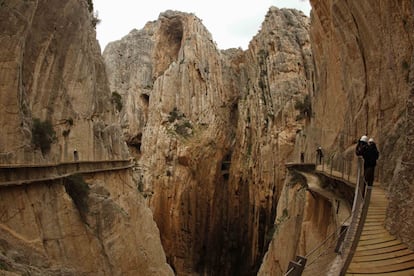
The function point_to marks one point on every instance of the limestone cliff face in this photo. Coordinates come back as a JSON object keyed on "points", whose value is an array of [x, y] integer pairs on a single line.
{"points": [[279, 65], [51, 70], [208, 127], [363, 84], [43, 233], [304, 220], [363, 52]]}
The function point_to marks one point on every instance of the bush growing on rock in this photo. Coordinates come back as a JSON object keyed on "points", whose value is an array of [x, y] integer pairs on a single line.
{"points": [[78, 190], [43, 134], [117, 101]]}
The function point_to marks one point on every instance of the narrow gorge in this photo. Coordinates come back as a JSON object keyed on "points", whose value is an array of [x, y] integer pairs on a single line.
{"points": [[211, 131], [166, 155]]}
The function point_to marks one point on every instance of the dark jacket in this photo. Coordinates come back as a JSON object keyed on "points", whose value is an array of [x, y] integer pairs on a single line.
{"points": [[369, 152], [371, 155], [361, 148]]}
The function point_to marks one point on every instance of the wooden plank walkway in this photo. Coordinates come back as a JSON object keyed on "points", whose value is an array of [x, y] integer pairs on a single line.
{"points": [[378, 252]]}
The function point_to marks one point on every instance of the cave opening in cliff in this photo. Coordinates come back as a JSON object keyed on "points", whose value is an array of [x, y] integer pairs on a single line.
{"points": [[145, 99], [169, 43], [135, 143], [225, 166]]}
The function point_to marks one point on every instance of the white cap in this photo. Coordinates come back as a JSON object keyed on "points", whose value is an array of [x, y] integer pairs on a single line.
{"points": [[364, 138], [371, 140]]}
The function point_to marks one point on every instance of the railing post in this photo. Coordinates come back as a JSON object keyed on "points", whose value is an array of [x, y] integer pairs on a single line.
{"points": [[296, 267], [344, 229], [323, 164], [331, 164]]}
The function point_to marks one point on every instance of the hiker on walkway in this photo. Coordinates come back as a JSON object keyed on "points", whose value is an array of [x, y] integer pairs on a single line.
{"points": [[75, 156], [319, 156], [368, 150]]}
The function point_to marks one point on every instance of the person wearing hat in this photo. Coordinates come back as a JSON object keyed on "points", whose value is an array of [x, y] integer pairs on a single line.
{"points": [[361, 145], [369, 152], [319, 155]]}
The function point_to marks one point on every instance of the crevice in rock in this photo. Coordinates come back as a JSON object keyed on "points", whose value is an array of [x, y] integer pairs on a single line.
{"points": [[145, 99], [135, 143], [169, 43]]}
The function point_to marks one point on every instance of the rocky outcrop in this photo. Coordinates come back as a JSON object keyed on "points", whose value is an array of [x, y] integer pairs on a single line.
{"points": [[363, 55], [208, 127], [45, 231], [304, 219], [56, 106], [311, 212]]}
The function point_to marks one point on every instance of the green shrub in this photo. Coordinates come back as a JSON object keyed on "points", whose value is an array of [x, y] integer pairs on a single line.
{"points": [[405, 65], [69, 121], [43, 134], [90, 6], [3, 266], [181, 125], [183, 128], [116, 99], [66, 132], [274, 229], [304, 108], [175, 114], [78, 190], [95, 19]]}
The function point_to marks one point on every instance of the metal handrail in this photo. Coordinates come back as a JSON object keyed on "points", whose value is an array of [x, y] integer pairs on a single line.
{"points": [[337, 231], [362, 201], [19, 175], [360, 206], [31, 165]]}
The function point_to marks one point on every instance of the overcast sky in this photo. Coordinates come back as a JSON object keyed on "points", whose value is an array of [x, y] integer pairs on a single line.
{"points": [[232, 23]]}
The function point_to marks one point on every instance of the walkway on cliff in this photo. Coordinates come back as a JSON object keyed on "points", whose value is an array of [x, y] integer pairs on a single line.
{"points": [[367, 248], [23, 174], [378, 252]]}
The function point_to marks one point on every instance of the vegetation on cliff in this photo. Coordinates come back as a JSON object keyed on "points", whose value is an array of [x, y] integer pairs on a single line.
{"points": [[43, 135]]}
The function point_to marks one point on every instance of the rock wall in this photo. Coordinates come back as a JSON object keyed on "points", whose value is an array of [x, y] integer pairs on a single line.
{"points": [[279, 66], [210, 130], [51, 70], [208, 127], [363, 57], [305, 219], [42, 231], [311, 209], [363, 53]]}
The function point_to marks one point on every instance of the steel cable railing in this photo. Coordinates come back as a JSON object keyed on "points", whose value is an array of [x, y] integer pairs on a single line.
{"points": [[362, 198], [338, 167], [349, 234], [337, 234]]}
